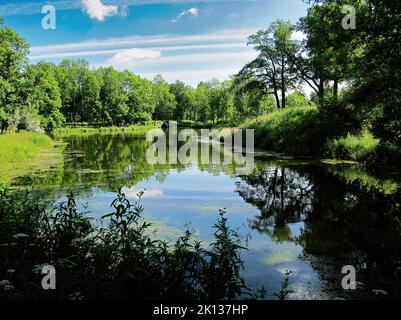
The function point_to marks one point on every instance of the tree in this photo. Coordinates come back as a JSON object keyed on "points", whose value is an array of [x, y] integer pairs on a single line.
{"points": [[13, 60], [141, 100], [164, 99], [297, 99], [202, 102], [43, 95], [330, 52], [113, 97], [179, 88], [272, 71], [80, 90]]}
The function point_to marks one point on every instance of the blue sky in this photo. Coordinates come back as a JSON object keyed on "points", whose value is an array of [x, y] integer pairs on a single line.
{"points": [[187, 40]]}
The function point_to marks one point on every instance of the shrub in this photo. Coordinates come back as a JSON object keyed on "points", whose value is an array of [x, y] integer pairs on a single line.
{"points": [[386, 154], [359, 147]]}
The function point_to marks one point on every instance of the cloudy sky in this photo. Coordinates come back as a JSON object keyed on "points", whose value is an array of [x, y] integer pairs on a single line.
{"points": [[181, 39]]}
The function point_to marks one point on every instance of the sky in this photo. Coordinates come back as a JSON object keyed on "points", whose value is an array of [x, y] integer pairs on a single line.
{"points": [[185, 40]]}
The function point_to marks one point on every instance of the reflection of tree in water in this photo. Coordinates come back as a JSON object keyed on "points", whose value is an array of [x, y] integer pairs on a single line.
{"points": [[282, 195], [346, 222]]}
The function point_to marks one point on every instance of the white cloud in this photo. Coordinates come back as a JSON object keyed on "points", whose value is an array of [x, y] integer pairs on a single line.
{"points": [[198, 58], [97, 10], [92, 53], [189, 12], [22, 7], [191, 58], [224, 36], [148, 193], [129, 56]]}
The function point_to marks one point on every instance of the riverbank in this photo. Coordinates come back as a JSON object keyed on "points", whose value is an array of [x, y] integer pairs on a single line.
{"points": [[25, 151], [300, 132], [90, 130]]}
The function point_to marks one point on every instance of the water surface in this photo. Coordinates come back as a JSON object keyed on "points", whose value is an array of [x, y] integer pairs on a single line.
{"points": [[304, 216]]}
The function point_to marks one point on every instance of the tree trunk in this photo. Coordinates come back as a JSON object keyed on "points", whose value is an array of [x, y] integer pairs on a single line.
{"points": [[283, 90], [277, 99], [335, 89], [321, 90]]}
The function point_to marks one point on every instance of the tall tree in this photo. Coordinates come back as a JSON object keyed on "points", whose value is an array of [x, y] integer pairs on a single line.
{"points": [[114, 98], [43, 95], [164, 99], [272, 71], [13, 60], [330, 52]]}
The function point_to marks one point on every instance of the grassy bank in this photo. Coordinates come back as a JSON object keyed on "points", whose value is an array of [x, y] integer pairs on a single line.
{"points": [[298, 131], [20, 152], [86, 130], [292, 130], [360, 147]]}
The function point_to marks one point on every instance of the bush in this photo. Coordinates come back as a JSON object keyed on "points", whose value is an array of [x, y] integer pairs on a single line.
{"points": [[386, 154], [360, 147], [292, 130]]}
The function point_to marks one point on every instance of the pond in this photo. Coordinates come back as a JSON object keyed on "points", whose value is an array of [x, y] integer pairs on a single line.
{"points": [[308, 217]]}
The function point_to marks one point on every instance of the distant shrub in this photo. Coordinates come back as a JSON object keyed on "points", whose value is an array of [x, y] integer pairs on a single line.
{"points": [[359, 147]]}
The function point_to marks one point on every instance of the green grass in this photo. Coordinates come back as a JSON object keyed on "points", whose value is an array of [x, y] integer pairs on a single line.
{"points": [[139, 130], [292, 130], [20, 151], [359, 147]]}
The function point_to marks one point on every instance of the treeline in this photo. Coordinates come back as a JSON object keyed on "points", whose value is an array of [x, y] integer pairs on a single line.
{"points": [[43, 96]]}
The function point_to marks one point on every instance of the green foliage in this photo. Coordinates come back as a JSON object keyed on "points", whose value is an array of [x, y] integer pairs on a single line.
{"points": [[359, 147], [119, 261], [297, 99], [293, 130], [43, 96], [273, 71], [165, 100], [284, 291]]}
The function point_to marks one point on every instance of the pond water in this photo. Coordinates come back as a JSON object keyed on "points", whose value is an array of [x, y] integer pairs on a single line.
{"points": [[307, 217]]}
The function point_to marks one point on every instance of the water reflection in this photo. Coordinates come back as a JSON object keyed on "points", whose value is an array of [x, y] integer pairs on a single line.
{"points": [[346, 221], [310, 218], [282, 196]]}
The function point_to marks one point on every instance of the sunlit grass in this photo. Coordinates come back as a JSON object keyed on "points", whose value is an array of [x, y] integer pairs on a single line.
{"points": [[352, 147], [292, 130], [24, 150], [139, 130]]}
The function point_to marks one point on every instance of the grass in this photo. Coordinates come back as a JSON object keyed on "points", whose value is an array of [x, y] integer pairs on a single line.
{"points": [[139, 130], [359, 147], [292, 130], [20, 152]]}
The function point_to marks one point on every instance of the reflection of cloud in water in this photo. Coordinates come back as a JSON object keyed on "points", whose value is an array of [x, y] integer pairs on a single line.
{"points": [[148, 193], [280, 257], [163, 232]]}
